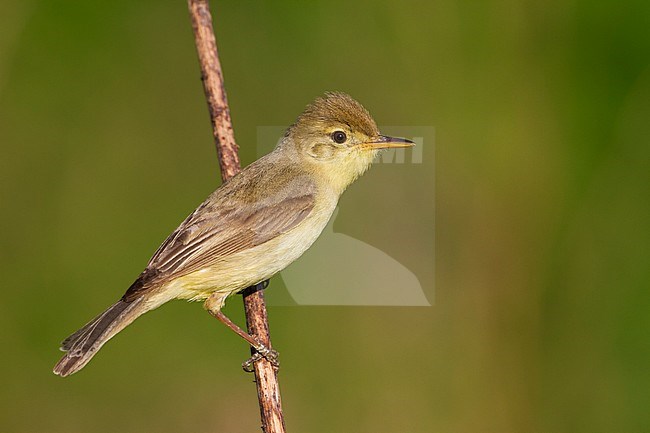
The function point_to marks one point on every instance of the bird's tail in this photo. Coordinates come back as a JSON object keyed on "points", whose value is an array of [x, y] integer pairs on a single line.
{"points": [[84, 344]]}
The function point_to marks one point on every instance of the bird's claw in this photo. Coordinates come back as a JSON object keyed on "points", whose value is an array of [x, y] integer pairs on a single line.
{"points": [[262, 352]]}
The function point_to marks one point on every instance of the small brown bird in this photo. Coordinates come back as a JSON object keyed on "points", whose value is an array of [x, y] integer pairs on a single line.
{"points": [[251, 227]]}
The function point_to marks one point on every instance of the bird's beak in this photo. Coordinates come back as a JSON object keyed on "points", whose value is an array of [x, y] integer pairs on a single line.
{"points": [[386, 142]]}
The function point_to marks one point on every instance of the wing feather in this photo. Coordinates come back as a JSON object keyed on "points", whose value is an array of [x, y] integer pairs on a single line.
{"points": [[211, 239], [239, 215], [226, 224]]}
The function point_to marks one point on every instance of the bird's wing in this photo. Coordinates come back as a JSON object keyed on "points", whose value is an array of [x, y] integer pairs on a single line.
{"points": [[223, 233], [220, 228]]}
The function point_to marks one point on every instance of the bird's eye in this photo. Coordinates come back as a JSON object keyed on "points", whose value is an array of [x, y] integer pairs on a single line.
{"points": [[339, 137]]}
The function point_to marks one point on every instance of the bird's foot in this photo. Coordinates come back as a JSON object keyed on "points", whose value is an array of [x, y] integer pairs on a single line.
{"points": [[262, 351]]}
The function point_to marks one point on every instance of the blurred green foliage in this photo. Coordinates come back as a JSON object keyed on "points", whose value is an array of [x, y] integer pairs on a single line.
{"points": [[541, 112]]}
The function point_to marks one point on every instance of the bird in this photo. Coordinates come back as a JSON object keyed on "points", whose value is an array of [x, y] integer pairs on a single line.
{"points": [[252, 226]]}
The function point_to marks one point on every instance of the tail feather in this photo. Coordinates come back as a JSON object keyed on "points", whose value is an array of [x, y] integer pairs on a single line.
{"points": [[83, 344]]}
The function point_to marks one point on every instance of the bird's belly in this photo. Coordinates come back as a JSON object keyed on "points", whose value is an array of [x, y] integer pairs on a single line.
{"points": [[246, 268]]}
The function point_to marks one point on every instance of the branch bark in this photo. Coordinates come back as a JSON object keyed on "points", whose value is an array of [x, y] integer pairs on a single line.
{"points": [[268, 388]]}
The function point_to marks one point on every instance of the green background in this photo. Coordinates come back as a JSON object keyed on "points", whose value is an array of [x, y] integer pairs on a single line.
{"points": [[541, 110]]}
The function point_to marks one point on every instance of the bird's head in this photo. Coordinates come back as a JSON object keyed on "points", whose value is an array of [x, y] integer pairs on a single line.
{"points": [[336, 138]]}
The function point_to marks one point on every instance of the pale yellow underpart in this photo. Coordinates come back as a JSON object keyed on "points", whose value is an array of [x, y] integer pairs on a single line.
{"points": [[251, 266]]}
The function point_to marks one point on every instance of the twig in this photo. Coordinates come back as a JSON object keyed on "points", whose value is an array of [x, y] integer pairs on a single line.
{"points": [[215, 92], [268, 389]]}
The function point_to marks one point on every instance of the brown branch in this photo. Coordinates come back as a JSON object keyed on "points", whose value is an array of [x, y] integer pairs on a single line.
{"points": [[215, 92], [268, 388]]}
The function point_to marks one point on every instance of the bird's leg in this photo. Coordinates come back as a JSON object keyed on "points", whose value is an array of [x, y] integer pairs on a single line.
{"points": [[261, 350], [213, 304]]}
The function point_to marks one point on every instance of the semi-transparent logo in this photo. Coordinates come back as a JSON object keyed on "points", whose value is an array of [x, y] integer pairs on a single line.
{"points": [[383, 253]]}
